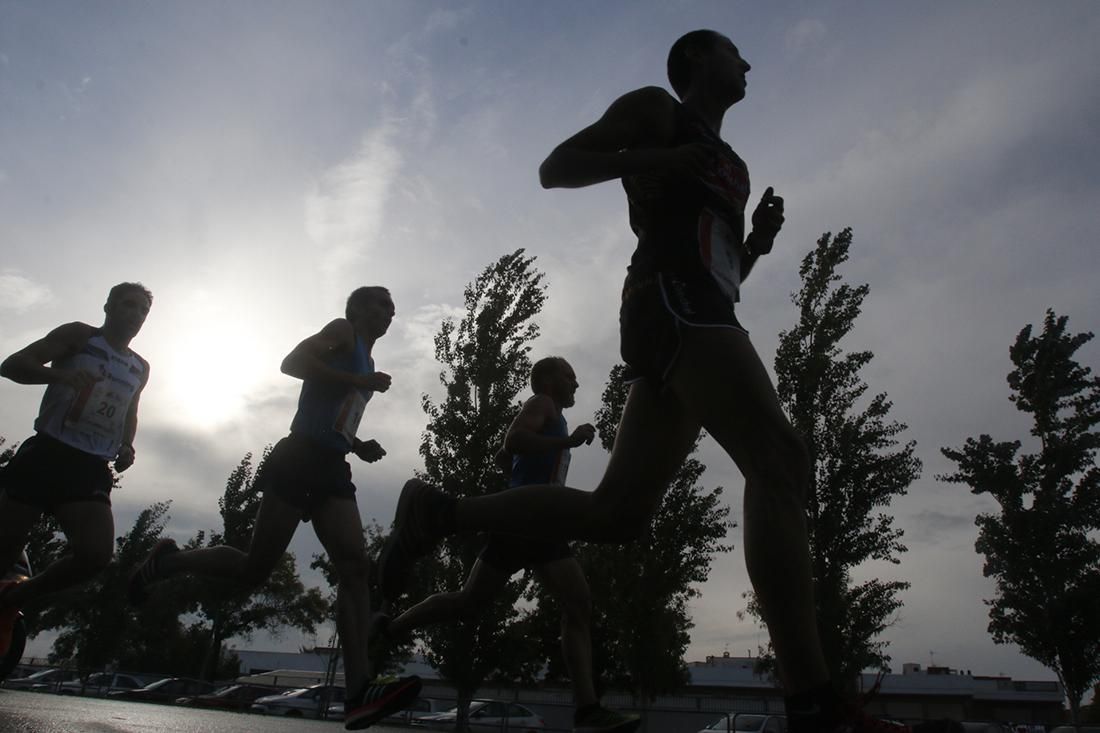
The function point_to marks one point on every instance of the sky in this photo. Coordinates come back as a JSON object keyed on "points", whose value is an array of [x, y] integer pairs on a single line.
{"points": [[252, 162]]}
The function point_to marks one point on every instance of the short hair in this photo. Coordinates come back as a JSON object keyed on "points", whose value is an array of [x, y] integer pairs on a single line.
{"points": [[123, 288], [543, 370], [679, 65], [363, 295]]}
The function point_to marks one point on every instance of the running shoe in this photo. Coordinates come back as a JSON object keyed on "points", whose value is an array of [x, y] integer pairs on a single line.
{"points": [[599, 719], [9, 615], [149, 571], [379, 700], [417, 528]]}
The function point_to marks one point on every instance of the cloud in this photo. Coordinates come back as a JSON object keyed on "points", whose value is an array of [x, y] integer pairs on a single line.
{"points": [[346, 209], [805, 34], [19, 293]]}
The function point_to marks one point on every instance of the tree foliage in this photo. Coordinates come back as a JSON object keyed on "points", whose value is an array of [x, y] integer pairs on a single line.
{"points": [[222, 609], [485, 365], [641, 591], [1041, 548], [858, 466]]}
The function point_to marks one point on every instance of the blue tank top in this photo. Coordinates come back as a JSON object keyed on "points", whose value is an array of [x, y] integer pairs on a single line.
{"points": [[328, 412], [543, 468]]}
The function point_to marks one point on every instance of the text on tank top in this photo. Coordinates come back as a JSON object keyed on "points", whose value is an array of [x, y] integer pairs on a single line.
{"points": [[94, 419]]}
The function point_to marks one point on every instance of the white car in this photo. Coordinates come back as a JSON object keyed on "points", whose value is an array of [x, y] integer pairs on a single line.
{"points": [[748, 723], [420, 708], [45, 679], [499, 715], [305, 702]]}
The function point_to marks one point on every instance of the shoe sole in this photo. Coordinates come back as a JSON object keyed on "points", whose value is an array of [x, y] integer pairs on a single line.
{"points": [[400, 521], [138, 595], [397, 700]]}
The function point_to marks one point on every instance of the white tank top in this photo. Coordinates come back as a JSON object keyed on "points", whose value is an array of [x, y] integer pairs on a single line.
{"points": [[93, 420]]}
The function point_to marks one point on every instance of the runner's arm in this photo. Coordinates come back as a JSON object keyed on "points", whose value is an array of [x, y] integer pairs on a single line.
{"points": [[524, 434], [28, 365], [629, 139], [125, 457], [307, 360]]}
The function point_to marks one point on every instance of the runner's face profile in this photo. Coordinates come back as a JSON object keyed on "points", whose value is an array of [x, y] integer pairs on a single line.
{"points": [[723, 61], [565, 385], [127, 312], [378, 313]]}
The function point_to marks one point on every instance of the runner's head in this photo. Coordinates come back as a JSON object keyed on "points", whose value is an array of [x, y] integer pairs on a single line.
{"points": [[126, 308], [554, 377], [708, 62], [370, 308]]}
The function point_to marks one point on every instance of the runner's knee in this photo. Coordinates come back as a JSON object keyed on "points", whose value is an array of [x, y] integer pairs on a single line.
{"points": [[353, 568], [620, 516]]}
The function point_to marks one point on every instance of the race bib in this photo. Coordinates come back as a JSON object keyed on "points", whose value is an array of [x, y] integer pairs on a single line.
{"points": [[99, 411], [720, 252], [349, 415]]}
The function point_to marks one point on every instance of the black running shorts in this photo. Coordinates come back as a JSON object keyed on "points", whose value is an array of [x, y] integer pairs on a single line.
{"points": [[46, 473], [654, 311], [305, 474], [512, 553]]}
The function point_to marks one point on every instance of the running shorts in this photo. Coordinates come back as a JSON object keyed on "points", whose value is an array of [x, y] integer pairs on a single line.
{"points": [[655, 309], [46, 473], [305, 474]]}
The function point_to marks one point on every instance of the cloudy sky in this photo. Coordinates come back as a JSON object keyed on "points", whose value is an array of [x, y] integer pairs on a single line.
{"points": [[252, 162]]}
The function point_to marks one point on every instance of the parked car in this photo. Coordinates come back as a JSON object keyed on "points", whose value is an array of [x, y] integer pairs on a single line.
{"points": [[305, 702], [748, 723], [99, 684], [233, 697], [40, 680], [500, 715], [166, 690], [420, 707]]}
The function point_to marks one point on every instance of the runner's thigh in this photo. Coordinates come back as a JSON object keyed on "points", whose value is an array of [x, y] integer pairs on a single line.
{"points": [[721, 380], [655, 436]]}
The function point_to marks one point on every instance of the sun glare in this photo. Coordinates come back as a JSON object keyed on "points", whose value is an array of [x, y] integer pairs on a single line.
{"points": [[211, 370]]}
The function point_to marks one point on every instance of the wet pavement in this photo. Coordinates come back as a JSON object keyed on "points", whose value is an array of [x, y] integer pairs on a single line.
{"points": [[39, 712]]}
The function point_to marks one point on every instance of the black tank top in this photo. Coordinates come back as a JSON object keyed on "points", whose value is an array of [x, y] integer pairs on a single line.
{"points": [[691, 226]]}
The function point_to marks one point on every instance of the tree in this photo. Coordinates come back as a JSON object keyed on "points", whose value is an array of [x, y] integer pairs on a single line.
{"points": [[485, 365], [224, 610], [1041, 548], [857, 464], [97, 625], [641, 591]]}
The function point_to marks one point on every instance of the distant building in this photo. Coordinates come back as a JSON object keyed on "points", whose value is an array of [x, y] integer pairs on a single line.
{"points": [[723, 684], [916, 693]]}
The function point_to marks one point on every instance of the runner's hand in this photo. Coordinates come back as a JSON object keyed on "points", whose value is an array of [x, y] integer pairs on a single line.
{"points": [[583, 434], [369, 450], [125, 458], [376, 381], [767, 220]]}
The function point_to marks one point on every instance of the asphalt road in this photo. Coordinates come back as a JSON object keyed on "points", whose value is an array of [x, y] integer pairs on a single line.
{"points": [[38, 712]]}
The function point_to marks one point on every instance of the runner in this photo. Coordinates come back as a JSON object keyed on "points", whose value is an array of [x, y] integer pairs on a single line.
{"points": [[307, 477], [536, 451], [88, 419], [692, 364]]}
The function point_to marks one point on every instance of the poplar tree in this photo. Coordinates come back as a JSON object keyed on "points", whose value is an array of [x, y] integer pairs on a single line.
{"points": [[1041, 547], [485, 366], [857, 464]]}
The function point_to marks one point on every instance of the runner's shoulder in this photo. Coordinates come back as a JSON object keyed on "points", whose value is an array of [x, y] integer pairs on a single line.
{"points": [[650, 108], [74, 334]]}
